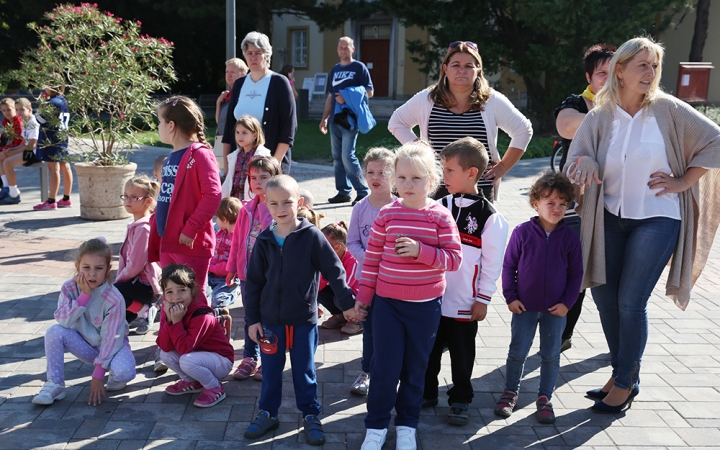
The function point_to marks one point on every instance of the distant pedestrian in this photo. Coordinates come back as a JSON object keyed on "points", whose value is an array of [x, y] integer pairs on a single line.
{"points": [[289, 71], [234, 68]]}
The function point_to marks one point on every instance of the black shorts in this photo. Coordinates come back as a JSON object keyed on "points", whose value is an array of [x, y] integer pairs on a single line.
{"points": [[29, 158]]}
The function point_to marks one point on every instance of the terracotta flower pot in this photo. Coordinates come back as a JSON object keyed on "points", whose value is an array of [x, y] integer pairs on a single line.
{"points": [[100, 190]]}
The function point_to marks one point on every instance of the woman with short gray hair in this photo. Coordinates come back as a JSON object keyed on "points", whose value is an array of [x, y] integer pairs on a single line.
{"points": [[265, 95]]}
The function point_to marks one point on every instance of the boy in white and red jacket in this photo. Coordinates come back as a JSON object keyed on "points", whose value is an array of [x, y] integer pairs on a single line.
{"points": [[483, 233]]}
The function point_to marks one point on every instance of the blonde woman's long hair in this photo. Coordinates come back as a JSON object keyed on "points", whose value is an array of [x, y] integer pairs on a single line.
{"points": [[440, 92], [610, 93]]}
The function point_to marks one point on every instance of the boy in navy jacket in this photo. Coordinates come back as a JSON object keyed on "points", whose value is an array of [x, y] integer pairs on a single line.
{"points": [[281, 305]]}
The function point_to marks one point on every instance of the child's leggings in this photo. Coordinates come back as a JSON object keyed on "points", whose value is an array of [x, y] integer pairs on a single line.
{"points": [[199, 264], [59, 339], [208, 368]]}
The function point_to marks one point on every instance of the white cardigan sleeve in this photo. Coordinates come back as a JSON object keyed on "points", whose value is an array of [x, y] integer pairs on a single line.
{"points": [[415, 111], [509, 119]]}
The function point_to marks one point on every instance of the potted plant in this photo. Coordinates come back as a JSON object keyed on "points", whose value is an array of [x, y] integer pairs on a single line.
{"points": [[108, 71]]}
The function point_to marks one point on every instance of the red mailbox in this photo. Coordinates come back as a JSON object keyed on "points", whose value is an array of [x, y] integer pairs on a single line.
{"points": [[693, 82]]}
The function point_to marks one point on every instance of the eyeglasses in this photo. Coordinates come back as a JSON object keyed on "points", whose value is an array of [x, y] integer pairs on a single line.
{"points": [[134, 199], [457, 44]]}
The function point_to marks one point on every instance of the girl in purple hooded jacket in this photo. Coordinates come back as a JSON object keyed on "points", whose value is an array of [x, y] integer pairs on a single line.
{"points": [[541, 277]]}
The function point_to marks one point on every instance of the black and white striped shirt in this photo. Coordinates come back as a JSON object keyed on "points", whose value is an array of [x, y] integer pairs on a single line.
{"points": [[445, 127]]}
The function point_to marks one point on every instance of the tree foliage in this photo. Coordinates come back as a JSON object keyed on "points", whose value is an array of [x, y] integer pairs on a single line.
{"points": [[106, 68], [542, 40]]}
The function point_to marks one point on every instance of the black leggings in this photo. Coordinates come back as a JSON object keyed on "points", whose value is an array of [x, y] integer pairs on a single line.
{"points": [[137, 291]]}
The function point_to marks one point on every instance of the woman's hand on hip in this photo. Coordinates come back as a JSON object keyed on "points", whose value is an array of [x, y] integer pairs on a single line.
{"points": [[496, 172], [668, 183], [583, 172]]}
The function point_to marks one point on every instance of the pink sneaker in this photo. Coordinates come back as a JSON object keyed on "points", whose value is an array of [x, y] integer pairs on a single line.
{"points": [[258, 374], [183, 387], [210, 397], [63, 203], [246, 369], [45, 206]]}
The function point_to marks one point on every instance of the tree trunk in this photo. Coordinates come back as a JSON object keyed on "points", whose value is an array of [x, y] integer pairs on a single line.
{"points": [[702, 20]]}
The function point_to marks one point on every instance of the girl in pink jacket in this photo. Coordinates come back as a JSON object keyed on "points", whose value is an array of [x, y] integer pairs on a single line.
{"points": [[137, 279], [181, 229]]}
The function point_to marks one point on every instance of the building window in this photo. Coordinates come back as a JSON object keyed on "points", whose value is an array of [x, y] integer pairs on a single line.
{"points": [[299, 47]]}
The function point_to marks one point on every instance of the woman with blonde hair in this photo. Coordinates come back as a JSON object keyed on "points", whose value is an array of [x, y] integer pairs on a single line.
{"points": [[463, 104], [644, 162]]}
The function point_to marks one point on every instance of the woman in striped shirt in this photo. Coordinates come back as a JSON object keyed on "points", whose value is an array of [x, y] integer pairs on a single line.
{"points": [[463, 104], [413, 242]]}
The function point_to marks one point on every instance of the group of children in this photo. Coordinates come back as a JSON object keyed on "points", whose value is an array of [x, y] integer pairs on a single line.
{"points": [[414, 274], [27, 138]]}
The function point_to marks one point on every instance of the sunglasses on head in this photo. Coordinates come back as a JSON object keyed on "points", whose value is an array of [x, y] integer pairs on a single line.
{"points": [[456, 44]]}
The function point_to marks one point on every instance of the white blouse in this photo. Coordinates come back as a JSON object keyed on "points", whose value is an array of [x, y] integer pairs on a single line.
{"points": [[636, 151]]}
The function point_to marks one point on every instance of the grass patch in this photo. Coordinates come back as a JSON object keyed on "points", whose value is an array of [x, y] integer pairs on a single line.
{"points": [[311, 145]]}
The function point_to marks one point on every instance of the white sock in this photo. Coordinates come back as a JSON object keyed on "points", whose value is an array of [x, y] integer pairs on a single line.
{"points": [[4, 180], [14, 191]]}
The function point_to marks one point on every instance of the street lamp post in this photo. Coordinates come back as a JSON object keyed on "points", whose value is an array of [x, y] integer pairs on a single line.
{"points": [[229, 29]]}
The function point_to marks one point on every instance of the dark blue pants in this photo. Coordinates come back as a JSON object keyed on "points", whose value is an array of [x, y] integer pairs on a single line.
{"points": [[403, 336], [251, 349], [302, 361]]}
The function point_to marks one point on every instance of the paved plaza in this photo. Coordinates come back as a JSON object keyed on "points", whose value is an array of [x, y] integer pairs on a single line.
{"points": [[678, 406]]}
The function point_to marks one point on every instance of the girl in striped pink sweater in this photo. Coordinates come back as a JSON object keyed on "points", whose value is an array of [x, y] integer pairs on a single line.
{"points": [[413, 242], [91, 325]]}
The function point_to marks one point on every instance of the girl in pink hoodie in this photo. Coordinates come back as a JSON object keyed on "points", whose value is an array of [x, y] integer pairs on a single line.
{"points": [[181, 227], [137, 279]]}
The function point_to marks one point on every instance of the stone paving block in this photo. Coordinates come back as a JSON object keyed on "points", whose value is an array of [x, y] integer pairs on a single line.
{"points": [[166, 444], [90, 428], [148, 411], [19, 439], [131, 444], [218, 413], [187, 430], [93, 444], [642, 436], [127, 429]]}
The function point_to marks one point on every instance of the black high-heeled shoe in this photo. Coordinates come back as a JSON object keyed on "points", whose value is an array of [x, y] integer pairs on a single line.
{"points": [[596, 394], [604, 408]]}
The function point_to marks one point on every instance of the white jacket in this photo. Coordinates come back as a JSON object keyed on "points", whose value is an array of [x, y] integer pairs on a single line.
{"points": [[499, 112], [483, 234], [232, 160]]}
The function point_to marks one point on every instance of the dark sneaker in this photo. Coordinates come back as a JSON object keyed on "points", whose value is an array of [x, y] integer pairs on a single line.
{"points": [[358, 198], [261, 425], [339, 199], [459, 414], [506, 404], [314, 433], [429, 402], [565, 345], [544, 413], [8, 200]]}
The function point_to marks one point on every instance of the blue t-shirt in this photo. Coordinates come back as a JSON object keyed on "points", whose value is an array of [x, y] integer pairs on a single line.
{"points": [[351, 75], [168, 175], [48, 136], [252, 97], [280, 241]]}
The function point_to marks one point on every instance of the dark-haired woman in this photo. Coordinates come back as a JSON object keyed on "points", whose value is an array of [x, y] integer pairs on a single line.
{"points": [[463, 104]]}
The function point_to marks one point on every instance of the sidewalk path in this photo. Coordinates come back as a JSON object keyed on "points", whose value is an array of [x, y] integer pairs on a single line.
{"points": [[679, 405]]}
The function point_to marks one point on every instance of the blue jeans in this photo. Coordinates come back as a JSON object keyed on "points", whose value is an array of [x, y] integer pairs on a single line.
{"points": [[221, 294], [302, 362], [523, 329], [251, 349], [404, 334], [347, 167], [636, 251]]}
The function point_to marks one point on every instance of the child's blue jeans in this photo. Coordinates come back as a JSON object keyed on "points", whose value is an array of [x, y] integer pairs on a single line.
{"points": [[523, 332], [222, 295], [251, 349], [302, 362]]}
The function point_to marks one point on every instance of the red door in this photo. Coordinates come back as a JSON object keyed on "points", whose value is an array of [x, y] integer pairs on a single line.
{"points": [[376, 56]]}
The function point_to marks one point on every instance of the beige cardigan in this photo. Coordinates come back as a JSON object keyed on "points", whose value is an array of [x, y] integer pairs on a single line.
{"points": [[691, 140]]}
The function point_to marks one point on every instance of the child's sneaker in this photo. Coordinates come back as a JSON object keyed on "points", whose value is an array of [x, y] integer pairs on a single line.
{"points": [[335, 321], [361, 385], [114, 385], [145, 324], [261, 425], [258, 374], [459, 414], [8, 200], [49, 393], [374, 439], [4, 192], [183, 387], [314, 433], [64, 203], [351, 328], [506, 405], [210, 397], [544, 413], [405, 438], [246, 369], [45, 206]]}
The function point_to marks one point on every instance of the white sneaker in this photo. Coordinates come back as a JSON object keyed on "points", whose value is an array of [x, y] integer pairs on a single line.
{"points": [[49, 393], [152, 312], [114, 385], [405, 439], [361, 385], [374, 439]]}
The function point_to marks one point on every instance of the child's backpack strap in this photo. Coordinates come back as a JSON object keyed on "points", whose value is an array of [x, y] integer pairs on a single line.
{"points": [[201, 311]]}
